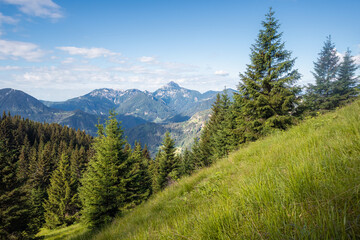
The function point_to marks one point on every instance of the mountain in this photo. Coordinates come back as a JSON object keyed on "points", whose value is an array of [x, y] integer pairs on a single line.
{"points": [[145, 116], [182, 132], [170, 103], [129, 102], [19, 103]]}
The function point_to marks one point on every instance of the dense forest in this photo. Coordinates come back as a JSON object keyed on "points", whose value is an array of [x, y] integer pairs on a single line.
{"points": [[54, 176]]}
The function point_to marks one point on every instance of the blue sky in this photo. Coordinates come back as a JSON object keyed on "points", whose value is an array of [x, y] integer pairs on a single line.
{"points": [[55, 50]]}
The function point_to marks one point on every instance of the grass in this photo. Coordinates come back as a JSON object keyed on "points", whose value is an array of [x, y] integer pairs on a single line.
{"points": [[300, 184], [62, 233]]}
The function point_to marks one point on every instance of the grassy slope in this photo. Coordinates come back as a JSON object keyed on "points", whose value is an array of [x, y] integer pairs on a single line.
{"points": [[301, 184]]}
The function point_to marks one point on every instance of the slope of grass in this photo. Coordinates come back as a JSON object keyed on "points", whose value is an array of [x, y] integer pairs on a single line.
{"points": [[299, 184]]}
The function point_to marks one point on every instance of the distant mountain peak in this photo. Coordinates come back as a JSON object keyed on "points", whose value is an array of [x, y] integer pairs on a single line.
{"points": [[172, 85]]}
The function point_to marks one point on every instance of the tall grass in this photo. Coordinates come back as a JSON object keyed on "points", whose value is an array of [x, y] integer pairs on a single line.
{"points": [[300, 184]]}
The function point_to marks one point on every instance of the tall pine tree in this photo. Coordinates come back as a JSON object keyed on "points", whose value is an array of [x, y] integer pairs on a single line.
{"points": [[268, 94], [346, 86], [168, 163], [60, 207], [103, 186], [320, 96]]}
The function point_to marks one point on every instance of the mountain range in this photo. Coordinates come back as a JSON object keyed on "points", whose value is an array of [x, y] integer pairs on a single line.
{"points": [[145, 115]]}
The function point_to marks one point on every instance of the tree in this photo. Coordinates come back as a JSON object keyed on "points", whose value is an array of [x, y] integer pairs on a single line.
{"points": [[103, 186], [168, 163], [267, 91], [346, 86], [320, 95], [13, 206], [60, 207], [138, 187]]}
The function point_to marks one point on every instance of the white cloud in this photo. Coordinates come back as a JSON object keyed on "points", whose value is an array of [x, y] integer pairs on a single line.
{"points": [[89, 52], [145, 59], [15, 50], [7, 19], [38, 8], [9, 68], [68, 60], [357, 59], [221, 73]]}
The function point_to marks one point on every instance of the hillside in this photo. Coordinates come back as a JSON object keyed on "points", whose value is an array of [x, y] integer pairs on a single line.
{"points": [[300, 184]]}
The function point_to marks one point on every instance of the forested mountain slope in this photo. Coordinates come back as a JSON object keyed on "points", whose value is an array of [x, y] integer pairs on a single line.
{"points": [[298, 184]]}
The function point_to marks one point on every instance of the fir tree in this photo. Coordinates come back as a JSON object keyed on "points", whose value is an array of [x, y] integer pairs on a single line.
{"points": [[320, 95], [346, 87], [13, 206], [138, 187], [60, 206], [267, 95], [168, 163], [103, 186], [187, 164]]}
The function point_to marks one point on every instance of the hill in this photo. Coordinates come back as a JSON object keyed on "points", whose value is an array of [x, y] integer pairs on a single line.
{"points": [[300, 184]]}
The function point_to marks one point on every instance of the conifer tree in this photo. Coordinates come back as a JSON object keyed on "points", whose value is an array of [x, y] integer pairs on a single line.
{"points": [[187, 164], [267, 92], [13, 206], [168, 163], [346, 86], [103, 186], [138, 187], [320, 95], [60, 206], [221, 138]]}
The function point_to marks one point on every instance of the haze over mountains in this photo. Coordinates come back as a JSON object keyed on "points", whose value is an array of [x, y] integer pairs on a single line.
{"points": [[145, 116]]}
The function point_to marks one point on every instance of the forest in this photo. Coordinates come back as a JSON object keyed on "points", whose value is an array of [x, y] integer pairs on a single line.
{"points": [[53, 176]]}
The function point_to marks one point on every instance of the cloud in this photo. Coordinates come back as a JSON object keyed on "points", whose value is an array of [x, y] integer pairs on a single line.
{"points": [[38, 8], [15, 50], [221, 73], [145, 59], [68, 60], [7, 19], [9, 68], [357, 59], [89, 52]]}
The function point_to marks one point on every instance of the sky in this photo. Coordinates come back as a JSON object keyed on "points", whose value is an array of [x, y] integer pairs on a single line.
{"points": [[55, 50]]}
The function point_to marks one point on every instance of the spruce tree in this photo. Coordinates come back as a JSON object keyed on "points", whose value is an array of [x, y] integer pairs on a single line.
{"points": [[267, 92], [60, 205], [187, 165], [138, 187], [168, 163], [13, 206], [320, 96], [346, 86], [103, 186]]}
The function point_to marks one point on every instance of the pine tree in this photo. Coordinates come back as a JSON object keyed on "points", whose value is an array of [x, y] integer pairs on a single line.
{"points": [[138, 187], [13, 206], [320, 95], [187, 165], [168, 163], [221, 138], [59, 207], [346, 87], [103, 186], [267, 94]]}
